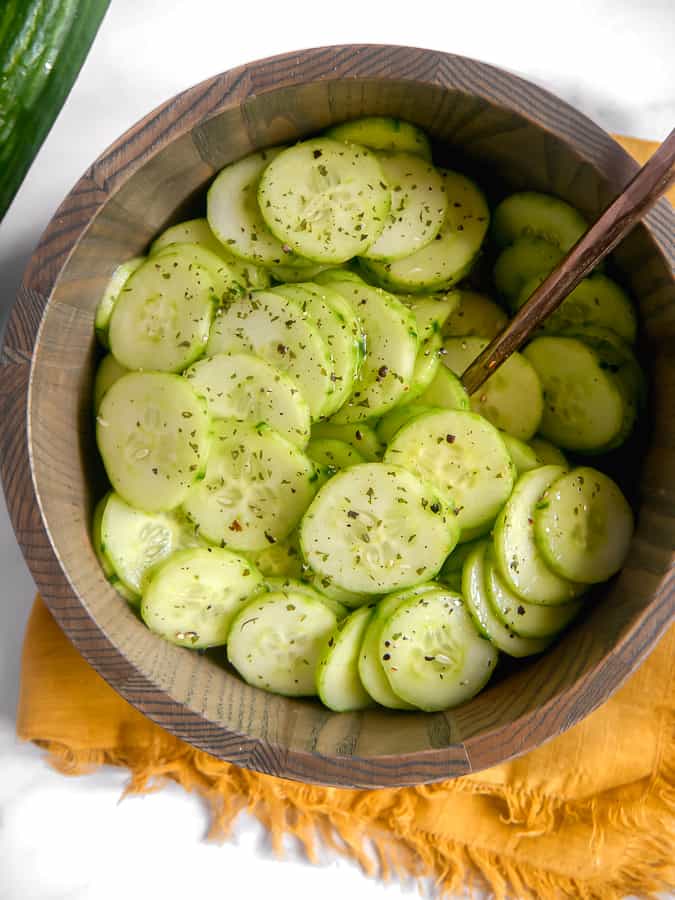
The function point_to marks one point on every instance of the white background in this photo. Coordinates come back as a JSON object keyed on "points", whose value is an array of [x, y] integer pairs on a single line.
{"points": [[69, 838]]}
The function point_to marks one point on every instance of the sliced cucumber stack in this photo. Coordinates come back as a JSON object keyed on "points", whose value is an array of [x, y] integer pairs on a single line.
{"points": [[583, 526], [518, 558], [391, 347], [275, 328], [297, 471], [449, 257], [488, 623]]}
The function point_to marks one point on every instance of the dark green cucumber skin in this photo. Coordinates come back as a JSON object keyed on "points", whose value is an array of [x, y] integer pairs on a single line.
{"points": [[43, 44]]}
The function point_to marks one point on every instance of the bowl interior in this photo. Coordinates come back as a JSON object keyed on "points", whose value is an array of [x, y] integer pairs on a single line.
{"points": [[503, 150]]}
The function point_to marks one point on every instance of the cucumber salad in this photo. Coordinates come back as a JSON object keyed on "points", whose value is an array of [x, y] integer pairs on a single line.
{"points": [[297, 475]]}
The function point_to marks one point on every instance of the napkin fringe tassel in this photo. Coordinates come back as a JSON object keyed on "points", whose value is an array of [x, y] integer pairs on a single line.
{"points": [[378, 829]]}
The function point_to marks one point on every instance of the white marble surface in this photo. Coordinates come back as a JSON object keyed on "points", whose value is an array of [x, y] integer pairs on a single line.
{"points": [[614, 59]]}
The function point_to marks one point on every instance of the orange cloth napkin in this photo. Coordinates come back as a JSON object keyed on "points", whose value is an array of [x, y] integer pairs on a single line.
{"points": [[589, 815]]}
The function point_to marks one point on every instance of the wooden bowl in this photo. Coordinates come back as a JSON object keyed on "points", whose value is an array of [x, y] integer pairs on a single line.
{"points": [[491, 123]]}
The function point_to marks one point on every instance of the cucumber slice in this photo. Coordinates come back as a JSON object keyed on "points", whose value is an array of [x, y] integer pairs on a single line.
{"points": [[227, 284], [390, 424], [523, 456], [136, 542], [518, 559], [283, 559], [475, 315], [451, 254], [583, 406], [97, 539], [162, 317], [334, 454], [109, 371], [256, 487], [326, 200], [547, 453], [511, 398], [390, 350], [337, 679], [293, 274], [339, 328], [432, 654], [529, 214], [383, 133], [376, 528], [274, 585], [617, 359], [130, 596], [276, 642], [583, 526], [153, 434], [234, 215], [431, 313], [197, 231], [193, 597], [329, 590], [370, 665], [454, 564], [484, 616], [446, 391], [274, 327], [242, 386], [359, 435], [110, 295], [427, 365], [330, 274], [526, 259], [596, 301], [527, 620], [464, 456], [418, 206]]}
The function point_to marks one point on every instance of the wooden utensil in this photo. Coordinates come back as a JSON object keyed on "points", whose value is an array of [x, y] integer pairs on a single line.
{"points": [[616, 221]]}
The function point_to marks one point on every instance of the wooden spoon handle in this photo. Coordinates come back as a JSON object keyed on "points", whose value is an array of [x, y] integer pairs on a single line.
{"points": [[616, 221]]}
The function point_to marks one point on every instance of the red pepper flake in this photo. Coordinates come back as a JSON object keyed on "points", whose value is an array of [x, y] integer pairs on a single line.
{"points": [[235, 526]]}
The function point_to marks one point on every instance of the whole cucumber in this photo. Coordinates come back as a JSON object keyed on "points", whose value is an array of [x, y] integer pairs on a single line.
{"points": [[43, 44]]}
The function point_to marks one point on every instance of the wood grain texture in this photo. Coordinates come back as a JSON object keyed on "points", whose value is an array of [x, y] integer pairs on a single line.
{"points": [[479, 117], [622, 214]]}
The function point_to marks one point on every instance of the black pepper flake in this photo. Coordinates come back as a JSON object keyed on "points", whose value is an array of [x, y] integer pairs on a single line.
{"points": [[352, 513], [450, 438], [382, 371], [270, 538], [521, 610], [386, 656]]}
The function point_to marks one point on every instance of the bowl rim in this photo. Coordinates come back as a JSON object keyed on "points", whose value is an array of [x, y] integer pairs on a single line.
{"points": [[104, 177]]}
